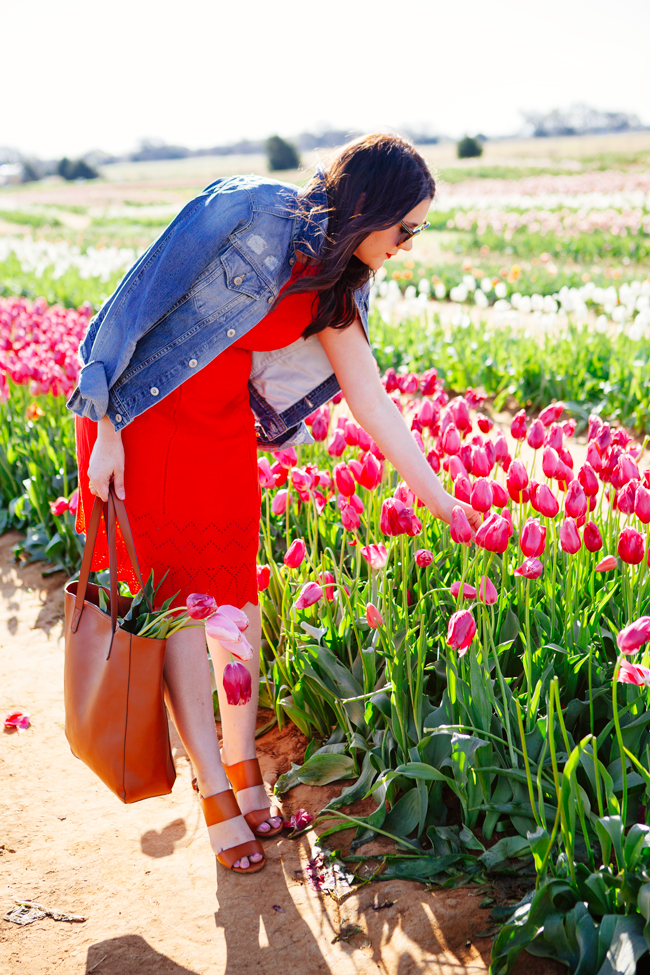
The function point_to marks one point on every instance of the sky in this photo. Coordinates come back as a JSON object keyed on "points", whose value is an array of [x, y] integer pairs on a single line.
{"points": [[80, 75]]}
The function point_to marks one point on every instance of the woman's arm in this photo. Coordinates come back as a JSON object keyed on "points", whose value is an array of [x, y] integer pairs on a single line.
{"points": [[107, 461], [355, 368]]}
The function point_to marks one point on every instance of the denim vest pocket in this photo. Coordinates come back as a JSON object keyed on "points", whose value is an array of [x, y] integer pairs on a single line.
{"points": [[227, 288]]}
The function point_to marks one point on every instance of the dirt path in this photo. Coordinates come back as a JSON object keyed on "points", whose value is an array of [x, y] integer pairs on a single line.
{"points": [[144, 875]]}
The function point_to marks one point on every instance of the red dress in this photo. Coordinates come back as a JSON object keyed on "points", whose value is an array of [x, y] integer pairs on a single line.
{"points": [[191, 476]]}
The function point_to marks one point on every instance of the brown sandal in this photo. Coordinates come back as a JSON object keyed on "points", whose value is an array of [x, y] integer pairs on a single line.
{"points": [[219, 808], [245, 775]]}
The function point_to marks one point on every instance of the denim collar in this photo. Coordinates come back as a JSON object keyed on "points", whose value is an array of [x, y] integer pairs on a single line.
{"points": [[311, 219]]}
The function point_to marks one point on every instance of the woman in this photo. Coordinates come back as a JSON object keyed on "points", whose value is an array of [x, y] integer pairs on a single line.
{"points": [[245, 315]]}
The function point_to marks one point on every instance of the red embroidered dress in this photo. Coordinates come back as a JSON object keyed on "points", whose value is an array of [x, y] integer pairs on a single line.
{"points": [[191, 477]]}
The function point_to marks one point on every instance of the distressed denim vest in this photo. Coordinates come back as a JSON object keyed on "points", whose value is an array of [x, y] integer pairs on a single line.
{"points": [[209, 278]]}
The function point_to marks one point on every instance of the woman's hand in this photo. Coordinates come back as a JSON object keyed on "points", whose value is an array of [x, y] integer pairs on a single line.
{"points": [[107, 461], [446, 504]]}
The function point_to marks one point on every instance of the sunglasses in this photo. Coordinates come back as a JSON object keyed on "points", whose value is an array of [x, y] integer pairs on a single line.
{"points": [[407, 232]]}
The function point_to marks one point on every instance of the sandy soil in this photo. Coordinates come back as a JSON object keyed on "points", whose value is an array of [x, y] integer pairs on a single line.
{"points": [[144, 875]]}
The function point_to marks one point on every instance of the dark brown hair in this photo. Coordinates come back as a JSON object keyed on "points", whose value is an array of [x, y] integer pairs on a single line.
{"points": [[371, 184]]}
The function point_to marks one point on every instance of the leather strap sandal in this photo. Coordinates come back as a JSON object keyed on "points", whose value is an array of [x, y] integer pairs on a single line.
{"points": [[245, 775], [219, 808]]}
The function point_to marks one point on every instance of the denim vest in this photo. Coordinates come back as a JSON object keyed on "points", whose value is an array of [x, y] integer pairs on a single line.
{"points": [[204, 283]]}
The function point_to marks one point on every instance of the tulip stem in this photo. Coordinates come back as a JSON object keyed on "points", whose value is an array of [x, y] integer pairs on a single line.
{"points": [[619, 738]]}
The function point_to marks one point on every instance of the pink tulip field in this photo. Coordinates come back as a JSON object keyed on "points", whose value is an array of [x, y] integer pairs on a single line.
{"points": [[489, 692]]}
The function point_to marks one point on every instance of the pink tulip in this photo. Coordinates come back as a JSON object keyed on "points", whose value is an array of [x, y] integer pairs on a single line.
{"points": [[279, 503], [487, 592], [545, 502], [461, 531], [199, 606], [533, 538], [634, 674], [350, 517], [344, 480], [469, 592], [337, 444], [629, 470], [552, 413], [280, 473], [592, 538], [517, 480], [535, 438], [634, 635], [370, 476], [238, 616], [507, 517], [518, 426], [626, 498], [328, 585], [499, 495], [263, 577], [550, 462], [554, 437], [569, 428], [494, 533], [237, 683], [607, 564], [267, 479], [642, 504], [310, 594], [433, 461], [500, 448], [220, 627], [631, 547], [423, 557], [73, 502], [451, 440], [295, 554], [16, 719], [456, 468], [404, 494], [530, 569], [481, 495], [59, 507], [462, 488], [374, 617], [461, 631], [300, 820], [575, 502], [569, 537], [588, 480], [287, 456], [319, 428], [594, 458], [428, 382], [485, 424], [480, 464], [375, 555]]}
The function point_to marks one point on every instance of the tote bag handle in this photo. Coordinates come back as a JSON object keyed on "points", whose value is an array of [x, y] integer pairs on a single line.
{"points": [[114, 512]]}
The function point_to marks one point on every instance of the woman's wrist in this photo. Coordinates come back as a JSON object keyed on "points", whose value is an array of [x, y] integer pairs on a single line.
{"points": [[106, 430]]}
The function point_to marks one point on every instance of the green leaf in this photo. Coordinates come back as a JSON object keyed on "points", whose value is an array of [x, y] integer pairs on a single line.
{"points": [[625, 945], [509, 846], [318, 770], [405, 814]]}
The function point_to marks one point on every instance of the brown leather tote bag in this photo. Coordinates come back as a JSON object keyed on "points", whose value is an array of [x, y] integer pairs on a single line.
{"points": [[115, 718]]}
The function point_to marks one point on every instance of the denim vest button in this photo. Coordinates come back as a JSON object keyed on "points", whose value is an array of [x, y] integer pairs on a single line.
{"points": [[230, 333], [193, 363], [271, 300], [237, 280], [154, 390], [292, 261], [118, 418]]}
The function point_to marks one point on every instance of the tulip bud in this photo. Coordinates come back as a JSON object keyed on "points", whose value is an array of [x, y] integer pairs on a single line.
{"points": [[295, 554], [73, 501], [404, 494], [336, 445], [588, 479], [592, 537], [287, 456], [374, 617], [200, 606], [633, 674], [631, 547], [237, 683], [518, 426], [555, 437], [461, 531], [485, 424], [487, 592], [494, 533], [59, 507], [499, 495], [434, 461], [263, 577], [344, 480], [370, 475], [634, 635], [569, 537], [550, 461], [456, 468], [479, 462], [480, 495], [469, 592], [569, 428], [267, 479], [642, 504], [500, 448], [575, 503], [607, 564], [310, 594], [462, 488], [530, 569], [279, 503], [461, 631], [533, 538], [423, 557], [350, 517], [604, 438], [507, 517], [328, 585], [626, 498], [451, 440], [375, 555], [319, 428], [552, 413], [536, 435], [595, 426]]}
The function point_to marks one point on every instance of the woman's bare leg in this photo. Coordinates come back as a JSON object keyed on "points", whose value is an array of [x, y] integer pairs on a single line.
{"points": [[238, 721], [189, 699]]}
